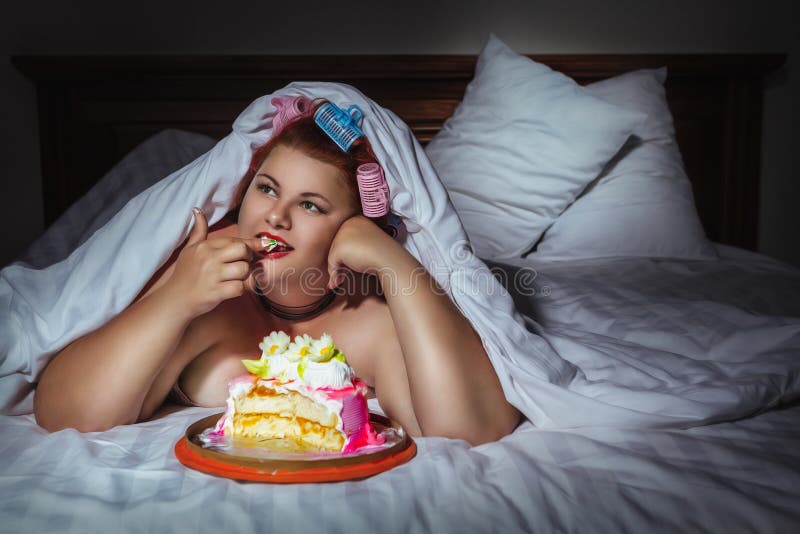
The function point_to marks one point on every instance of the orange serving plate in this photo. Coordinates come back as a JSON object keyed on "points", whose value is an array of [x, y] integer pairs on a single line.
{"points": [[298, 469]]}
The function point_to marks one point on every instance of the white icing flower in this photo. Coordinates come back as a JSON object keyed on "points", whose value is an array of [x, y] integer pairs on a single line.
{"points": [[321, 349], [299, 348], [274, 344], [316, 362]]}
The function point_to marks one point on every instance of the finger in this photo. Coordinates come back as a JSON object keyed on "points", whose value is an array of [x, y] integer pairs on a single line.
{"points": [[221, 242], [231, 289], [233, 251], [199, 228], [238, 270], [255, 243], [259, 244]]}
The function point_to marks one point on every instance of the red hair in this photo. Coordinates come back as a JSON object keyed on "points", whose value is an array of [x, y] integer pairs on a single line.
{"points": [[305, 135]]}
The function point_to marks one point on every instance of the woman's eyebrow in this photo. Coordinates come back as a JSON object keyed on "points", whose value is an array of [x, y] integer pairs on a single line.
{"points": [[265, 175], [304, 195]]}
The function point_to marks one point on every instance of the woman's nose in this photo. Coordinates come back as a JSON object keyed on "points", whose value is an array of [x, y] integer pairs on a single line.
{"points": [[278, 217]]}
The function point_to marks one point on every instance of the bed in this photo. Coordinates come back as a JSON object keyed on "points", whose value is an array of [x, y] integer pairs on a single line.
{"points": [[109, 123]]}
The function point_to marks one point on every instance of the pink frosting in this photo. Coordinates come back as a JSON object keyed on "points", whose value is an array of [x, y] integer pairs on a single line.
{"points": [[246, 378], [365, 437]]}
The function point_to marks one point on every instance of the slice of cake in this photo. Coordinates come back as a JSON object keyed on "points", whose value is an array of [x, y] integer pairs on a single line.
{"points": [[302, 391]]}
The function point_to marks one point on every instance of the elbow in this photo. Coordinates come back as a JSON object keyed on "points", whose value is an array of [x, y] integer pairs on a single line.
{"points": [[478, 430], [45, 417], [54, 423], [495, 428], [52, 415]]}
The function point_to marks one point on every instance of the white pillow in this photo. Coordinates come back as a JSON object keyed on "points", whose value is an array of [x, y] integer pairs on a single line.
{"points": [[524, 141], [642, 203]]}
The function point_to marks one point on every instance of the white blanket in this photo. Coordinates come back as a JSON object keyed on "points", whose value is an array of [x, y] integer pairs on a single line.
{"points": [[557, 377], [737, 476]]}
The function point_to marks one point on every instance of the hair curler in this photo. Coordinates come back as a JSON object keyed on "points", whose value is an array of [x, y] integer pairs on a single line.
{"points": [[395, 227], [373, 190], [289, 108], [340, 125]]}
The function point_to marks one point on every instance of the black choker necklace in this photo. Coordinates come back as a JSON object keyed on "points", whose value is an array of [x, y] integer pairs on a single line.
{"points": [[295, 313]]}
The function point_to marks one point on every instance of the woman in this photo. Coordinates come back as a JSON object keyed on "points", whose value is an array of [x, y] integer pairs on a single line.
{"points": [[212, 302]]}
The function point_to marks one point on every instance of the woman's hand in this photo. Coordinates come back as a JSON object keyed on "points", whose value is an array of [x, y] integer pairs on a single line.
{"points": [[360, 246], [209, 271]]}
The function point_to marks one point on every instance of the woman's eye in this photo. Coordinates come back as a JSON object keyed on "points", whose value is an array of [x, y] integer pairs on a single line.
{"points": [[264, 188], [306, 204]]}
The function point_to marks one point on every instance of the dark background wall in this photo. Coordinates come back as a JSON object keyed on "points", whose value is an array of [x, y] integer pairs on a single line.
{"points": [[398, 27]]}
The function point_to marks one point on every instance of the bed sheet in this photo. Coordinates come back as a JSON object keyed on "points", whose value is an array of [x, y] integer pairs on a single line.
{"points": [[738, 475], [696, 342]]}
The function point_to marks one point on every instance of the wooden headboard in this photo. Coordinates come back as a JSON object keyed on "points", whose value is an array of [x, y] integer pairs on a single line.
{"points": [[94, 109]]}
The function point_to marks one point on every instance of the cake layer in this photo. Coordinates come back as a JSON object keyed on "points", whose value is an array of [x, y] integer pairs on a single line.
{"points": [[265, 400], [270, 426]]}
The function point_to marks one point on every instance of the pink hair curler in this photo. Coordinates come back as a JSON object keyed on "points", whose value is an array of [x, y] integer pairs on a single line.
{"points": [[289, 108], [373, 190]]}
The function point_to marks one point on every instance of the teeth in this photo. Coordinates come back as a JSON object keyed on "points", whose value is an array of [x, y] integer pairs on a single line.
{"points": [[270, 244]]}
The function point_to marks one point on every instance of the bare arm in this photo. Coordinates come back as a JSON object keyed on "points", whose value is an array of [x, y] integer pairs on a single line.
{"points": [[454, 389], [107, 377], [101, 380]]}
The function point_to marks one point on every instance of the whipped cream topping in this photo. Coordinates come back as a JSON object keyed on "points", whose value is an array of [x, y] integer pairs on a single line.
{"points": [[314, 362], [332, 374]]}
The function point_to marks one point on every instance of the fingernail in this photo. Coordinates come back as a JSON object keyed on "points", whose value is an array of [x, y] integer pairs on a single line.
{"points": [[196, 210]]}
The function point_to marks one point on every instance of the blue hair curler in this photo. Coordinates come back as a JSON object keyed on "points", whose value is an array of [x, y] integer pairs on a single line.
{"points": [[395, 227], [340, 125]]}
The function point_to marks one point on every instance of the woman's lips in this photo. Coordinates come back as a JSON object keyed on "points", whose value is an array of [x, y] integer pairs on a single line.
{"points": [[272, 236], [274, 254], [279, 251]]}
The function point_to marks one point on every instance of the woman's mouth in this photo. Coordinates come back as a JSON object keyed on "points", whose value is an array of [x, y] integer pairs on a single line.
{"points": [[275, 247]]}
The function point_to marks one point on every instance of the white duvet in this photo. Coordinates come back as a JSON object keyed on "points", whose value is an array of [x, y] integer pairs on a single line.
{"points": [[739, 476], [633, 366]]}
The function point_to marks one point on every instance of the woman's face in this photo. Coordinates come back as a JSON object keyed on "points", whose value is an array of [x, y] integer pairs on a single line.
{"points": [[302, 202]]}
